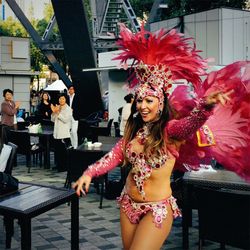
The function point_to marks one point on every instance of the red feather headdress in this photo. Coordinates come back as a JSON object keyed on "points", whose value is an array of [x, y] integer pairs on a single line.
{"points": [[160, 58]]}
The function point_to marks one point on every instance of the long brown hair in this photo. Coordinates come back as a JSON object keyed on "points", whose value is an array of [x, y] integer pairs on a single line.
{"points": [[155, 139]]}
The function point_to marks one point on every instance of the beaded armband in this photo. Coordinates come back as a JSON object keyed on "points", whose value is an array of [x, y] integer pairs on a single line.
{"points": [[185, 127], [107, 162]]}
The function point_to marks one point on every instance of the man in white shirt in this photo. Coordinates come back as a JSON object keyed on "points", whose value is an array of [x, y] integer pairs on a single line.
{"points": [[74, 123], [126, 110]]}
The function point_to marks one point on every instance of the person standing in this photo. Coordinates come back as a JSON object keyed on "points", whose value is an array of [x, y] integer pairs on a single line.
{"points": [[156, 137], [34, 99], [73, 103], [126, 110], [61, 116], [8, 113], [44, 110]]}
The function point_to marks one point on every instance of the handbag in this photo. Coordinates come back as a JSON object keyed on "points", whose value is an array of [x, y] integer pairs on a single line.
{"points": [[8, 183], [35, 128]]}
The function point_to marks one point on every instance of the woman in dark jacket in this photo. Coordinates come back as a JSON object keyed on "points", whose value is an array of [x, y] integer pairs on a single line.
{"points": [[44, 110]]}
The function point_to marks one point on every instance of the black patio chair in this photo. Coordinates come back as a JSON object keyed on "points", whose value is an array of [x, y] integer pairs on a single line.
{"points": [[22, 140], [224, 217], [117, 129], [101, 131], [12, 159], [77, 162], [8, 222]]}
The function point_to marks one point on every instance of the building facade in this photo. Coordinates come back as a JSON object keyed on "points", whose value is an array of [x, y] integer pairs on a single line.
{"points": [[15, 70], [222, 33]]}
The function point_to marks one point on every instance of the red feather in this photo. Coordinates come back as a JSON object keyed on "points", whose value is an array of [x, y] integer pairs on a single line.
{"points": [[170, 48]]}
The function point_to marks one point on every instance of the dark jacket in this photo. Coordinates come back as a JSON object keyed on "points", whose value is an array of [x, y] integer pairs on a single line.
{"points": [[75, 106], [42, 109]]}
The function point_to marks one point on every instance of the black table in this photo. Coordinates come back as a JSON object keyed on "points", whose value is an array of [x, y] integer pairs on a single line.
{"points": [[219, 179], [32, 200]]}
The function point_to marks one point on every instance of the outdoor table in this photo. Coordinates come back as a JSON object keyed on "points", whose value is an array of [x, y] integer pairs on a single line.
{"points": [[47, 135], [219, 179], [32, 200]]}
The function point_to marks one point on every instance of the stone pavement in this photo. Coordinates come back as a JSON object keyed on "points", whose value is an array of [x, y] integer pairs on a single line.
{"points": [[99, 228]]}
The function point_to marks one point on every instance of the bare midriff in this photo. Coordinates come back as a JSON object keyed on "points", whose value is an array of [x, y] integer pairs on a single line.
{"points": [[157, 186]]}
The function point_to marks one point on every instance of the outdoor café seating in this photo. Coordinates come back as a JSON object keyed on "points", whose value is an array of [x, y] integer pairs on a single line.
{"points": [[78, 161], [22, 140], [224, 217], [101, 131], [12, 158]]}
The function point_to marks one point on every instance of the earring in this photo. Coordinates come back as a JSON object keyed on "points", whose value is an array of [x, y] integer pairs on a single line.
{"points": [[135, 115]]}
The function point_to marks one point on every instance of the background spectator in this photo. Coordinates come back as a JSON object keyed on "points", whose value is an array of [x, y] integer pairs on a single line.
{"points": [[73, 102], [8, 114], [61, 116], [34, 100], [126, 110], [44, 110]]}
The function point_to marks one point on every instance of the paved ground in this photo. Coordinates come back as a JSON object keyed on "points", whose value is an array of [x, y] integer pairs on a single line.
{"points": [[99, 228]]}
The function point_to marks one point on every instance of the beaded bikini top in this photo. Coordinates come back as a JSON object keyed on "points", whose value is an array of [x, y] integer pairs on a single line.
{"points": [[142, 165]]}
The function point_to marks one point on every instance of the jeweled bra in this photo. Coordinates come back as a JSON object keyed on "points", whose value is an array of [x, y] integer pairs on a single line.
{"points": [[142, 165]]}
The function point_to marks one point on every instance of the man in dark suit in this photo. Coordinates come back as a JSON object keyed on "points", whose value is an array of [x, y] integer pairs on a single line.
{"points": [[73, 102]]}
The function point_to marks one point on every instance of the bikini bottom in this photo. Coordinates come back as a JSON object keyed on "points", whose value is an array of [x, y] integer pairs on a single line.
{"points": [[136, 210]]}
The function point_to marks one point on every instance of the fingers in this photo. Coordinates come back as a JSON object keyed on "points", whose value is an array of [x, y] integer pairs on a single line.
{"points": [[227, 94], [225, 97], [221, 99], [79, 189], [82, 185]]}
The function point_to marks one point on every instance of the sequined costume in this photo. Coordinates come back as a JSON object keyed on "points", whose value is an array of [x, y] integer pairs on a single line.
{"points": [[142, 166], [176, 129], [159, 60], [136, 210]]}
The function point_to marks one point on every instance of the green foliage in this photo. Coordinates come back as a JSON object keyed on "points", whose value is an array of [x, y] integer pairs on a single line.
{"points": [[48, 12], [11, 27], [141, 8], [182, 7]]}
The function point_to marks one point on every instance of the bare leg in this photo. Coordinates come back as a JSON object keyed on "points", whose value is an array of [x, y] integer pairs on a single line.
{"points": [[150, 237], [127, 230]]}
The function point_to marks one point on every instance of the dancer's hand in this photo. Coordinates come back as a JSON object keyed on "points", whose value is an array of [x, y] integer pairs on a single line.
{"points": [[218, 97], [82, 185]]}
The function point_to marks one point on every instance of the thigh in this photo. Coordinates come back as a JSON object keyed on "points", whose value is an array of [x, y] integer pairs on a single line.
{"points": [[150, 237], [127, 230]]}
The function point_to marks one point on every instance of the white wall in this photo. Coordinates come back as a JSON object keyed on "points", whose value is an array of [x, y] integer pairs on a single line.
{"points": [[235, 39], [20, 86], [15, 72], [7, 61], [222, 34], [116, 82], [167, 24]]}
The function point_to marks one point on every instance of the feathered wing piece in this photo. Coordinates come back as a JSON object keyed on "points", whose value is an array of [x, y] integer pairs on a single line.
{"points": [[162, 57], [229, 124], [182, 101]]}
